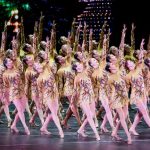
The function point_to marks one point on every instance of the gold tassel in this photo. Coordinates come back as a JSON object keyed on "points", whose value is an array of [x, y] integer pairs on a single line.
{"points": [[35, 40], [100, 43], [4, 39], [85, 37], [132, 48], [108, 40], [22, 38], [132, 39], [52, 48], [18, 39], [73, 32], [90, 41], [75, 46], [22, 33], [40, 29]]}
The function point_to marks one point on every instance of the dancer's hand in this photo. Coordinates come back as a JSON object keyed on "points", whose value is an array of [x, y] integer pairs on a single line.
{"points": [[133, 27]]}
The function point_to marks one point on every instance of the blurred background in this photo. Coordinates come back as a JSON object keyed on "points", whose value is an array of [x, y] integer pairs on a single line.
{"points": [[94, 12]]}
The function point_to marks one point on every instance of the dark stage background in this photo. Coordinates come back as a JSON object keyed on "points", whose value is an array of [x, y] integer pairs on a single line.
{"points": [[63, 11], [128, 11]]}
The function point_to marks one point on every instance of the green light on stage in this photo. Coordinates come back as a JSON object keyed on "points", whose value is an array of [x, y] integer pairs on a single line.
{"points": [[2, 1], [26, 7], [8, 4]]}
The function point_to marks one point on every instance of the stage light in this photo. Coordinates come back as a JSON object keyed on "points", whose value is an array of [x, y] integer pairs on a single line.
{"points": [[16, 16], [8, 5], [95, 13], [26, 6], [8, 23], [16, 11], [12, 12]]}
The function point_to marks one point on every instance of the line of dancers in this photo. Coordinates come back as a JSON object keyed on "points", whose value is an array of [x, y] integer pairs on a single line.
{"points": [[91, 76]]}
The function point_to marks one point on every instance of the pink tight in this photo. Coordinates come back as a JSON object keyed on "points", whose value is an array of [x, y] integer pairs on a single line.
{"points": [[53, 106], [143, 113], [39, 111], [20, 106], [89, 118], [108, 114], [122, 118]]}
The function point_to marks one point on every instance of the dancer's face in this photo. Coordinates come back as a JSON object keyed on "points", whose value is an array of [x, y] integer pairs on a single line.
{"points": [[13, 56], [79, 67], [130, 65], [113, 68], [94, 63], [30, 60], [66, 50], [80, 56], [61, 59], [113, 59], [44, 55], [9, 63]]}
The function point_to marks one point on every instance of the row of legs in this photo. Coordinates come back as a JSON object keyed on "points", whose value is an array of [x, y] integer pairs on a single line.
{"points": [[89, 109]]}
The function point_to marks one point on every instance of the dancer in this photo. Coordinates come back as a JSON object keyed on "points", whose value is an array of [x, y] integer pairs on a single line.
{"points": [[14, 92], [118, 98], [99, 79], [48, 93], [68, 76], [138, 94], [31, 87], [83, 91], [4, 106]]}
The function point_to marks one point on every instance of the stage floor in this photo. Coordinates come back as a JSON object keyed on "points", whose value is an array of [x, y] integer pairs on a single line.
{"points": [[36, 141]]}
